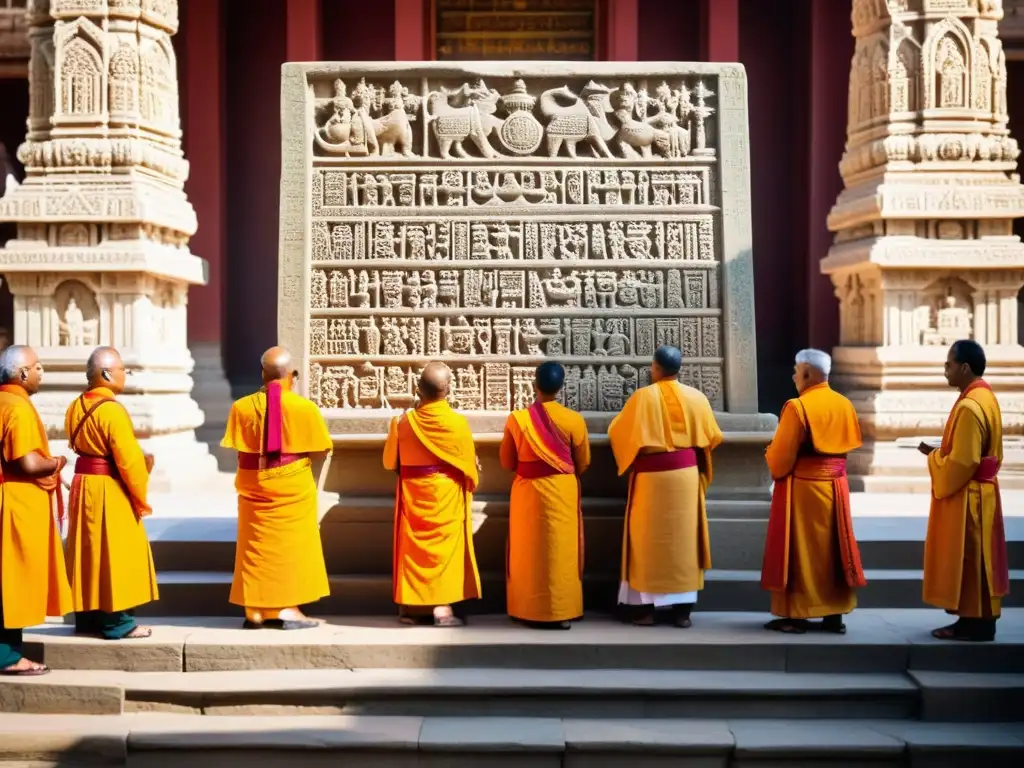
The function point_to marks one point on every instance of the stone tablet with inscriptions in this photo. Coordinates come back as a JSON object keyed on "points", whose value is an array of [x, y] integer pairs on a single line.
{"points": [[494, 215]]}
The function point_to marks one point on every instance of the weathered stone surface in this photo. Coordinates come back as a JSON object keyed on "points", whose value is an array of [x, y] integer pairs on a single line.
{"points": [[101, 254], [422, 206], [964, 696], [924, 250], [50, 695]]}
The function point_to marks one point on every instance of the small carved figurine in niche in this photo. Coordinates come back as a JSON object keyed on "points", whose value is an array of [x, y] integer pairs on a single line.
{"points": [[952, 322], [78, 321]]}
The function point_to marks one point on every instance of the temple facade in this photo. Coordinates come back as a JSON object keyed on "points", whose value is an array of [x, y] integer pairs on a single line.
{"points": [[797, 56]]}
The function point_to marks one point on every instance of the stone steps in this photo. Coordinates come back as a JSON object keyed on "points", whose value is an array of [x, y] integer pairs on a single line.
{"points": [[611, 694], [877, 642], [168, 741], [205, 593]]}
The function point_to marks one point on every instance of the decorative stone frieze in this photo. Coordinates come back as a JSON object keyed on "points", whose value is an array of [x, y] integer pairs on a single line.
{"points": [[924, 251], [493, 216], [101, 254]]}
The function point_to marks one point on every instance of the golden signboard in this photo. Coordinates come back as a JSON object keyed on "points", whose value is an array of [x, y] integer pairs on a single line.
{"points": [[515, 29]]}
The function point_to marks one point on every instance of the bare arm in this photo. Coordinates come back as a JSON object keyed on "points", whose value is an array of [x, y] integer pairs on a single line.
{"points": [[34, 464]]}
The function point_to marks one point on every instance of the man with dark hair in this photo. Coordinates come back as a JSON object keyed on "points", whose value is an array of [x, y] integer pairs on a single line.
{"points": [[665, 435], [432, 450], [965, 565], [546, 446]]}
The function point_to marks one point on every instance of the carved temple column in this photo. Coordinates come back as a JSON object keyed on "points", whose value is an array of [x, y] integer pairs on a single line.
{"points": [[924, 252], [101, 254]]}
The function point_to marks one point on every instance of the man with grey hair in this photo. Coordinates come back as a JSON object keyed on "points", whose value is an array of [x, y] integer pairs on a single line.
{"points": [[110, 564], [34, 583], [811, 559]]}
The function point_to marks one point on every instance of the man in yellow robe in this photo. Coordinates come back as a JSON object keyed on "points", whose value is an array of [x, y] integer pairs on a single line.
{"points": [[546, 446], [665, 434], [109, 561], [965, 559], [279, 558], [811, 560], [33, 579], [432, 450]]}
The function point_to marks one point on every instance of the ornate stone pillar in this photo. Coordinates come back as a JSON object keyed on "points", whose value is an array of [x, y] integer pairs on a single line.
{"points": [[924, 252], [101, 254]]}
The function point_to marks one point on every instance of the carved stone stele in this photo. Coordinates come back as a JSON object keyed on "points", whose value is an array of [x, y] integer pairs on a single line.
{"points": [[496, 215], [924, 251], [101, 254]]}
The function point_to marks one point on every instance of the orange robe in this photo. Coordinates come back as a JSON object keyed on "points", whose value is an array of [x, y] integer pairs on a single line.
{"points": [[548, 450], [965, 561], [279, 558], [434, 563], [665, 547], [32, 572], [811, 560], [109, 560]]}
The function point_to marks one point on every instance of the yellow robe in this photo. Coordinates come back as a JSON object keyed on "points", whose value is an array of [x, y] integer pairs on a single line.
{"points": [[815, 585], [279, 557], [32, 573], [545, 540], [959, 557], [109, 560], [434, 560], [666, 548]]}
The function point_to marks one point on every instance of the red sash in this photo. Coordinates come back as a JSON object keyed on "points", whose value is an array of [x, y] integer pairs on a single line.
{"points": [[95, 465], [988, 473], [684, 458], [536, 470], [775, 566]]}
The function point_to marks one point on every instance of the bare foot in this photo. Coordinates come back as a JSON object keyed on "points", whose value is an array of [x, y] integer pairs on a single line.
{"points": [[139, 633], [24, 668]]}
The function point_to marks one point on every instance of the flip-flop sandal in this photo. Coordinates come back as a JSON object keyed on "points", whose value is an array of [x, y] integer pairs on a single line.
{"points": [[42, 669], [787, 626], [835, 629], [946, 633], [447, 621], [683, 623]]}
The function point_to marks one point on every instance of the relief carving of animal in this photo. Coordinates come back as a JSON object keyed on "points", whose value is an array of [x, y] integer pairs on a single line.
{"points": [[571, 119], [470, 117]]}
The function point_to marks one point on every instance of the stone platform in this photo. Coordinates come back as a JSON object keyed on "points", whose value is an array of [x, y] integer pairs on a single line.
{"points": [[355, 692]]}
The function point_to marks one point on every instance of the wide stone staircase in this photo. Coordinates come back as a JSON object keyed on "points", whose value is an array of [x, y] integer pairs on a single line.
{"points": [[367, 692]]}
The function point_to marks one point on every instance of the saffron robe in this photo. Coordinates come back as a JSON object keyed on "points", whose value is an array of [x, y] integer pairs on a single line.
{"points": [[811, 560], [33, 577], [544, 573], [665, 546], [965, 560], [279, 557], [109, 560], [434, 562]]}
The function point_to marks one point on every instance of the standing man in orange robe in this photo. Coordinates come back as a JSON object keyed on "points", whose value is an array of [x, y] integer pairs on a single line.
{"points": [[812, 562], [665, 434], [965, 560], [33, 578], [432, 450], [279, 558], [546, 446], [109, 560]]}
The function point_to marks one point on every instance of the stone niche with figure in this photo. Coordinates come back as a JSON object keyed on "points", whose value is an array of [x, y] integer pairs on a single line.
{"points": [[494, 216]]}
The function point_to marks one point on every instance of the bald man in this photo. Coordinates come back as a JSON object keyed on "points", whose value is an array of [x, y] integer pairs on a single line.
{"points": [[33, 579], [546, 445], [109, 560], [279, 558], [432, 450], [811, 560], [664, 436]]}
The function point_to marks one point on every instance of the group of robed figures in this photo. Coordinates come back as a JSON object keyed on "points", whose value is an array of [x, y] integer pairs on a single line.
{"points": [[663, 437]]}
